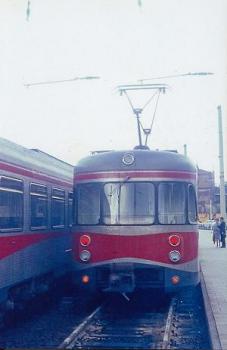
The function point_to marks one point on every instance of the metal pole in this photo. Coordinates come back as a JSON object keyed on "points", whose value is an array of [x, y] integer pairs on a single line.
{"points": [[221, 166], [185, 150], [211, 214], [137, 112]]}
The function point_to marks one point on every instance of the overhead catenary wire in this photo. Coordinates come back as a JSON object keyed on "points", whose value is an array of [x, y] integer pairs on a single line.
{"points": [[89, 77], [176, 76]]}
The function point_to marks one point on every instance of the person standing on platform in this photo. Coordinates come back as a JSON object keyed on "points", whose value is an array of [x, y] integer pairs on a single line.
{"points": [[216, 233], [222, 231]]}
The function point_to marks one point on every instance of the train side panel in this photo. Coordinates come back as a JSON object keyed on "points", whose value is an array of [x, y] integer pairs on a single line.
{"points": [[35, 239]]}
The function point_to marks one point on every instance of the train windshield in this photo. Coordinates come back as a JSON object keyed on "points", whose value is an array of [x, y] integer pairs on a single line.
{"points": [[128, 203], [171, 203], [88, 199], [135, 203], [192, 209]]}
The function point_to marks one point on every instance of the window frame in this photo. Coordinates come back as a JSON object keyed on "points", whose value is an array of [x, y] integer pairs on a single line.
{"points": [[59, 198], [156, 185], [134, 183], [70, 209], [76, 206], [185, 202], [33, 194], [190, 185], [13, 190]]}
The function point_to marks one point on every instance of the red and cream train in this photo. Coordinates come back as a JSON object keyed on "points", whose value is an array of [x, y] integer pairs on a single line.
{"points": [[35, 222], [135, 221]]}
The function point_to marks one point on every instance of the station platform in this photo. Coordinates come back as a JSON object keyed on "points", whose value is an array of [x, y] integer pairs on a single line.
{"points": [[213, 263]]}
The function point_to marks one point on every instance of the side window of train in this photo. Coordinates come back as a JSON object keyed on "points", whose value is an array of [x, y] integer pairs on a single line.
{"points": [[38, 206], [192, 208], [11, 203], [171, 203], [58, 208], [70, 208]]}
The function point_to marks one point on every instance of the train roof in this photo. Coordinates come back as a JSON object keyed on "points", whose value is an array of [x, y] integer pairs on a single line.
{"points": [[34, 159], [143, 160]]}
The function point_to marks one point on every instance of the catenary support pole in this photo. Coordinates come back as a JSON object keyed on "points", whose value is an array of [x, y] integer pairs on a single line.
{"points": [[221, 165]]}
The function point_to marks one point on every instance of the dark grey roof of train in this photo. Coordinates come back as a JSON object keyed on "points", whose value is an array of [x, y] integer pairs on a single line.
{"points": [[144, 160], [13, 153]]}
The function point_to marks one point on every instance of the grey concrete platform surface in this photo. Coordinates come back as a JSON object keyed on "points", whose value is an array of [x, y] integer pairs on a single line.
{"points": [[213, 262]]}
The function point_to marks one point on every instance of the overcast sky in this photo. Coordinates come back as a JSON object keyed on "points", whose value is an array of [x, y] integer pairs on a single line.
{"points": [[121, 41]]}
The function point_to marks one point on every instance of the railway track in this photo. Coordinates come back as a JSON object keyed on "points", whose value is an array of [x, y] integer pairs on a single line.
{"points": [[154, 323]]}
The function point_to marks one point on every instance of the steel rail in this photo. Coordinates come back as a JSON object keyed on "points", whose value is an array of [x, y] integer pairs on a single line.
{"points": [[68, 343], [166, 336]]}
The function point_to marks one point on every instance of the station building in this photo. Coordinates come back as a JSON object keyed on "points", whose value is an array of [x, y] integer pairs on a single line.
{"points": [[208, 196]]}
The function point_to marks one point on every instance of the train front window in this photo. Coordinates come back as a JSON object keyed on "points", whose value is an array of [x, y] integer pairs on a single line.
{"points": [[88, 204], [171, 203], [192, 209], [128, 203]]}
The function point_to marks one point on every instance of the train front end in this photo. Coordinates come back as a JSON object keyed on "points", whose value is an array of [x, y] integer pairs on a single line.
{"points": [[135, 222]]}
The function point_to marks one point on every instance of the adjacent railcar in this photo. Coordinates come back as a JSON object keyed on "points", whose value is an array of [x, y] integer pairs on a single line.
{"points": [[35, 222], [135, 221]]}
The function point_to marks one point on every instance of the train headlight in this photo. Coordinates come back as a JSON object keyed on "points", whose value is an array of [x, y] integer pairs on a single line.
{"points": [[174, 240], [85, 255], [85, 240], [174, 255]]}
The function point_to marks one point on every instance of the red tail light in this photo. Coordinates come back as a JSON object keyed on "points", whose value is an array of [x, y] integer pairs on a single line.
{"points": [[85, 279], [85, 240], [175, 279], [174, 240]]}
